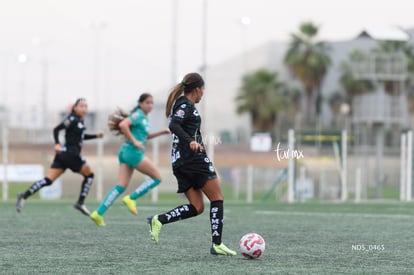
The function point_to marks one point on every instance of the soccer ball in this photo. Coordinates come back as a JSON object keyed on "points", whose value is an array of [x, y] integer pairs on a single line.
{"points": [[252, 245]]}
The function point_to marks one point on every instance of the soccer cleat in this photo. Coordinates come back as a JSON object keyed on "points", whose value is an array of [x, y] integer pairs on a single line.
{"points": [[98, 219], [20, 202], [131, 204], [221, 249], [155, 227], [82, 208]]}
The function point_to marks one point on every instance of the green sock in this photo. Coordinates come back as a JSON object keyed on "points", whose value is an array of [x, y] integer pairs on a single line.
{"points": [[109, 199], [144, 188]]}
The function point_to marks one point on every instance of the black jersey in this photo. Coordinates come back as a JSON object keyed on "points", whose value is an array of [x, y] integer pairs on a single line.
{"points": [[74, 133], [185, 122]]}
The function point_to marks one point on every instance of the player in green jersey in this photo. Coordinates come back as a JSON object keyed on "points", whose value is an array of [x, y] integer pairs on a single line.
{"points": [[135, 127]]}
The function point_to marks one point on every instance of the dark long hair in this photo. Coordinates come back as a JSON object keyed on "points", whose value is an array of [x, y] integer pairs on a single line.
{"points": [[187, 85], [119, 114], [77, 102]]}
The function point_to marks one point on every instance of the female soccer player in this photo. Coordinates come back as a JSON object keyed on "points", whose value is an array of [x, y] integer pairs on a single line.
{"points": [[131, 156], [194, 171], [68, 156]]}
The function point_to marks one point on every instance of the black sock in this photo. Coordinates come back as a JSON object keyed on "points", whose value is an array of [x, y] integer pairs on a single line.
{"points": [[216, 220], [86, 185], [181, 212], [36, 187]]}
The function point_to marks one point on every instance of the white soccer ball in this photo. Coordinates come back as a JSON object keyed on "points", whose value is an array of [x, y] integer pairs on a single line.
{"points": [[252, 245]]}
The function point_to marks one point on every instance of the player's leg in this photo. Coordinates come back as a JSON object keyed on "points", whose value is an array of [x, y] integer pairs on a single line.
{"points": [[213, 192], [124, 176], [127, 160], [88, 176], [51, 175], [182, 212], [147, 167]]}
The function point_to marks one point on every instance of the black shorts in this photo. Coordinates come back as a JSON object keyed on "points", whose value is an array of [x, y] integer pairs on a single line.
{"points": [[194, 174], [66, 160]]}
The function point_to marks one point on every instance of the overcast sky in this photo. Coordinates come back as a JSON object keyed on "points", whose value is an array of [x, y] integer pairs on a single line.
{"points": [[136, 40]]}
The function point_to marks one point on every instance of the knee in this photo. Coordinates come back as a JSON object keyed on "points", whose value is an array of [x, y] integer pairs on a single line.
{"points": [[199, 208]]}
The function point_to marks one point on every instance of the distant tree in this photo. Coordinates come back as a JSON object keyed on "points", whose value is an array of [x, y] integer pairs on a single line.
{"points": [[407, 50], [308, 60], [349, 82], [262, 95], [400, 46]]}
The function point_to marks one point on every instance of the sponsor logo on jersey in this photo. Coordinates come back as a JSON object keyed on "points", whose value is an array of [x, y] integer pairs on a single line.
{"points": [[183, 105], [180, 113], [195, 113], [80, 125]]}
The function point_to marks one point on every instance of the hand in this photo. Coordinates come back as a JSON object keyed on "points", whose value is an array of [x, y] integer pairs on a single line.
{"points": [[58, 148], [196, 147], [100, 135], [138, 144]]}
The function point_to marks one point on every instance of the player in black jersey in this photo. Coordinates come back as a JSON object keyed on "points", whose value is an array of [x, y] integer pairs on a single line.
{"points": [[191, 166], [68, 156]]}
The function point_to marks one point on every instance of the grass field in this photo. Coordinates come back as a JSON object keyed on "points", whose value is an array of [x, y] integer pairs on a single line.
{"points": [[50, 237]]}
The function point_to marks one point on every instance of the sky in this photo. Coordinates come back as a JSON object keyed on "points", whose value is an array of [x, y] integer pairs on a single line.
{"points": [[110, 51]]}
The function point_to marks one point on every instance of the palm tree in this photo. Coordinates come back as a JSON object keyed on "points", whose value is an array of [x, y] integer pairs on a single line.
{"points": [[262, 96], [407, 51], [349, 82], [308, 60]]}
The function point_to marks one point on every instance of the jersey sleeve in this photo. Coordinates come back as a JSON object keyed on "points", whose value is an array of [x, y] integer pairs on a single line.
{"points": [[136, 118], [65, 124], [90, 136], [178, 117]]}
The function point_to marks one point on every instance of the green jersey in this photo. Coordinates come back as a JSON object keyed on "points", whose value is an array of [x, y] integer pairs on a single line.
{"points": [[139, 128]]}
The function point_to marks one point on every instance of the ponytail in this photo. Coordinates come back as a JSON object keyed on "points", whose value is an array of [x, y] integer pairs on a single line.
{"points": [[118, 115], [190, 82], [114, 119], [175, 93]]}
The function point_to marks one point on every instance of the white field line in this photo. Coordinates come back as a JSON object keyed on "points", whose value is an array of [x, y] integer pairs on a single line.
{"points": [[335, 214]]}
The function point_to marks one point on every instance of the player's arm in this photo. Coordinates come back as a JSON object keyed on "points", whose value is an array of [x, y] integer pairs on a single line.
{"points": [[124, 126], [56, 131], [159, 133], [92, 136], [177, 129], [175, 126], [63, 125]]}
